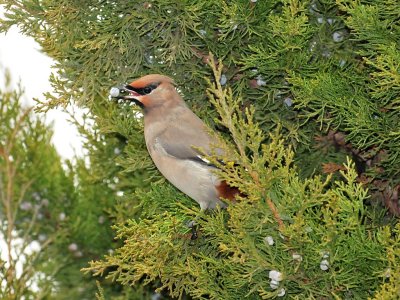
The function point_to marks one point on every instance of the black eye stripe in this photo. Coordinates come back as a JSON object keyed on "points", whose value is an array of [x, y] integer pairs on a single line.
{"points": [[145, 90], [128, 87]]}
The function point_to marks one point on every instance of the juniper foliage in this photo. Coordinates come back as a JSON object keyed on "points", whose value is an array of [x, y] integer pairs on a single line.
{"points": [[301, 86]]}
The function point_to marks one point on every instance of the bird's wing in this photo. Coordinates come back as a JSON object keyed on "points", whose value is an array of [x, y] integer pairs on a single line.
{"points": [[183, 138]]}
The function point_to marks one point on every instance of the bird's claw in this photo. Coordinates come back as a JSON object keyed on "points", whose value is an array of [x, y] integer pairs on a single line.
{"points": [[193, 226]]}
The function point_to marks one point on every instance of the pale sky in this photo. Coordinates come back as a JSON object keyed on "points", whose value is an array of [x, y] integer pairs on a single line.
{"points": [[22, 56]]}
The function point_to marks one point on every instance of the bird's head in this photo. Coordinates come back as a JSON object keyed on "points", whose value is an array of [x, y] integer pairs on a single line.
{"points": [[148, 91]]}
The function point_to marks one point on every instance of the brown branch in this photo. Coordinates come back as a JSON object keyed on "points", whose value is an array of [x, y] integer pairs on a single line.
{"points": [[11, 138], [275, 213]]}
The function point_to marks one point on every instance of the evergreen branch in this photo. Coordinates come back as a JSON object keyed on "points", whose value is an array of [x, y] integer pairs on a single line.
{"points": [[100, 294], [245, 133]]}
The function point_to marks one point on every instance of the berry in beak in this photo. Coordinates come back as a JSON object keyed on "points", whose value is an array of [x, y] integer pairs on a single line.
{"points": [[124, 93]]}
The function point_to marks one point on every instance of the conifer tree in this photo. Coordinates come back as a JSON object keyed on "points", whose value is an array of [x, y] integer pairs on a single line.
{"points": [[34, 190], [305, 94], [53, 216]]}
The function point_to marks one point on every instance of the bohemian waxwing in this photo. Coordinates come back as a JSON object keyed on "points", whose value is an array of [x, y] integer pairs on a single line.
{"points": [[173, 133]]}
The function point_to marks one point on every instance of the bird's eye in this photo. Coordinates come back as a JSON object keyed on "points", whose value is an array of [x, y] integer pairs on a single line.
{"points": [[147, 90]]}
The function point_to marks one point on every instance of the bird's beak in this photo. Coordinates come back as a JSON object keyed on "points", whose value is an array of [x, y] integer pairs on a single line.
{"points": [[124, 93]]}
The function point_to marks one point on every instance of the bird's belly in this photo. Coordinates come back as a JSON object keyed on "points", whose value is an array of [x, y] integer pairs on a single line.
{"points": [[192, 178]]}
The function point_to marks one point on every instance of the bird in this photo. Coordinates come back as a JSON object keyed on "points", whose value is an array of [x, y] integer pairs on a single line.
{"points": [[174, 134]]}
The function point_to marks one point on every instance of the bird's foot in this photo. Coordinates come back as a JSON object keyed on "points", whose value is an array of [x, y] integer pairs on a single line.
{"points": [[193, 226]]}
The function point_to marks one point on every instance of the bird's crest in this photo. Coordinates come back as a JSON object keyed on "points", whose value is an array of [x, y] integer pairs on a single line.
{"points": [[150, 79]]}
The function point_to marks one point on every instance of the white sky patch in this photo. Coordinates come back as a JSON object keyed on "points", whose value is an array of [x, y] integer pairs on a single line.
{"points": [[17, 245], [22, 57]]}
